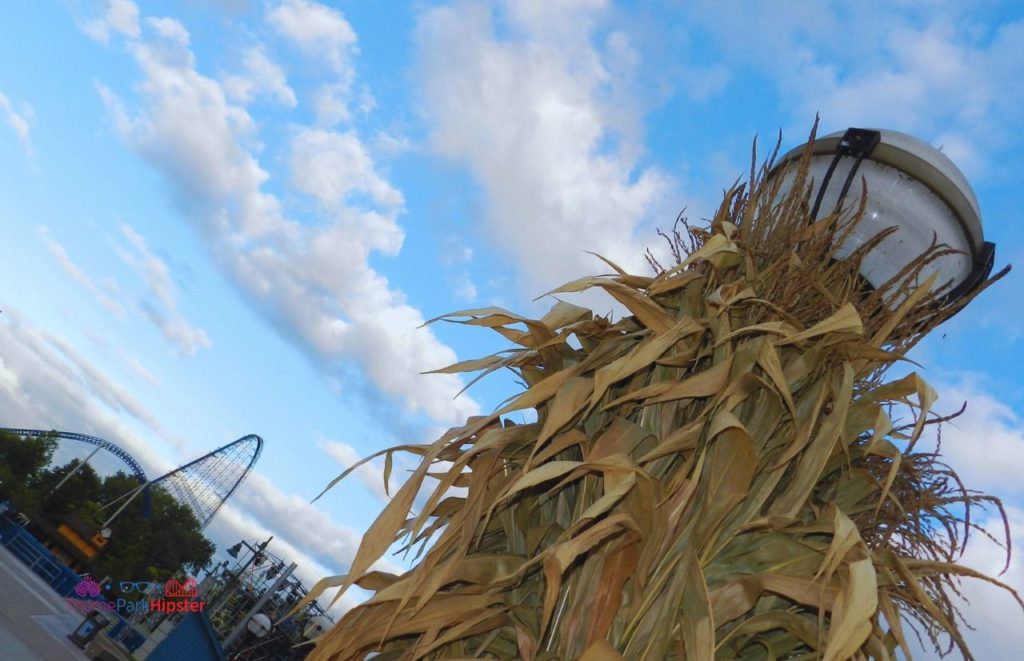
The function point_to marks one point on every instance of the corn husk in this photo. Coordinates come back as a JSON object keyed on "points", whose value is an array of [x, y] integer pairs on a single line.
{"points": [[717, 475]]}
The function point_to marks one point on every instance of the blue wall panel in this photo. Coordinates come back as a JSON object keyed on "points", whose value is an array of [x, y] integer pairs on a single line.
{"points": [[193, 639]]}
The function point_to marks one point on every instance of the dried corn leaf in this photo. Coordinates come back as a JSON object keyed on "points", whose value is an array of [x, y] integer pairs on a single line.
{"points": [[715, 475]]}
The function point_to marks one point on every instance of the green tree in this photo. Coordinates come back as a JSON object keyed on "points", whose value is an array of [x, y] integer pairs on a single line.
{"points": [[73, 497], [154, 547], [22, 459]]}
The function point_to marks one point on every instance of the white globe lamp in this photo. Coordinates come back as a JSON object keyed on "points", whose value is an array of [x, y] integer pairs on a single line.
{"points": [[911, 186]]}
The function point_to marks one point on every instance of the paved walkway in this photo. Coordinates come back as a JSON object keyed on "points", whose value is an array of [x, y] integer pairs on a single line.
{"points": [[34, 620]]}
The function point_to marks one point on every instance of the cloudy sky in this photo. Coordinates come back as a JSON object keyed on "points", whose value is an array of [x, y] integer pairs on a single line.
{"points": [[231, 217]]}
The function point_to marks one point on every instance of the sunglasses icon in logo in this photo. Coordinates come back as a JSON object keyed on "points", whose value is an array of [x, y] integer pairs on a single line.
{"points": [[137, 586]]}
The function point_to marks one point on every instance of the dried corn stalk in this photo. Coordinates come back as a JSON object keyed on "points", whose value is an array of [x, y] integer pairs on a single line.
{"points": [[715, 476]]}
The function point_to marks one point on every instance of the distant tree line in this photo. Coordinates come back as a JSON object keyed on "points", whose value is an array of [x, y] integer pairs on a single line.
{"points": [[140, 548]]}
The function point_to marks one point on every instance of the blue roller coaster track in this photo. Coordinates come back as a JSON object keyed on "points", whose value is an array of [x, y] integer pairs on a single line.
{"points": [[202, 485], [207, 482], [115, 450]]}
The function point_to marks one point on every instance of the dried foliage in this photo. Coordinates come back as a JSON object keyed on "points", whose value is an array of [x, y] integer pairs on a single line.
{"points": [[718, 475]]}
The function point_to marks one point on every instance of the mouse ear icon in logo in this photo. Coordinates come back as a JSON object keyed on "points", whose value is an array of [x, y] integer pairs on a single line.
{"points": [[87, 587], [186, 588]]}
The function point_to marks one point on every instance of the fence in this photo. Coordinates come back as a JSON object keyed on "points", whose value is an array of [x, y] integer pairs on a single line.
{"points": [[37, 557]]}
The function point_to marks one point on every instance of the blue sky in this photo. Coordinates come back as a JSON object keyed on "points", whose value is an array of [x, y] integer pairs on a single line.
{"points": [[223, 218]]}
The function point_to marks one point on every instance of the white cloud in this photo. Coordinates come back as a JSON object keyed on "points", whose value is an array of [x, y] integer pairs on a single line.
{"points": [[150, 267], [170, 29], [312, 281], [371, 474], [322, 34], [182, 336], [465, 288], [129, 362], [298, 521], [333, 167], [541, 121], [139, 370], [997, 618], [119, 17], [78, 275], [929, 71], [330, 103], [18, 121], [159, 304], [102, 388], [319, 31], [50, 385], [388, 144], [260, 76], [8, 380], [985, 445], [455, 251]]}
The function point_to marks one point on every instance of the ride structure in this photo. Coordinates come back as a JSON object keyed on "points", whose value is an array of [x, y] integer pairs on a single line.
{"points": [[203, 485], [99, 443]]}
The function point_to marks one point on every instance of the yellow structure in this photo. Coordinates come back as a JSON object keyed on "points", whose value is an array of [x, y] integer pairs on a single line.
{"points": [[87, 547]]}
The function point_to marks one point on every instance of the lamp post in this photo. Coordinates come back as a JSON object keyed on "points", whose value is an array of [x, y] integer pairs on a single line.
{"points": [[232, 584], [912, 187]]}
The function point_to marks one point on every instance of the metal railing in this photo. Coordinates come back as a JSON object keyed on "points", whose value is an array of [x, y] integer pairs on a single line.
{"points": [[40, 562]]}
